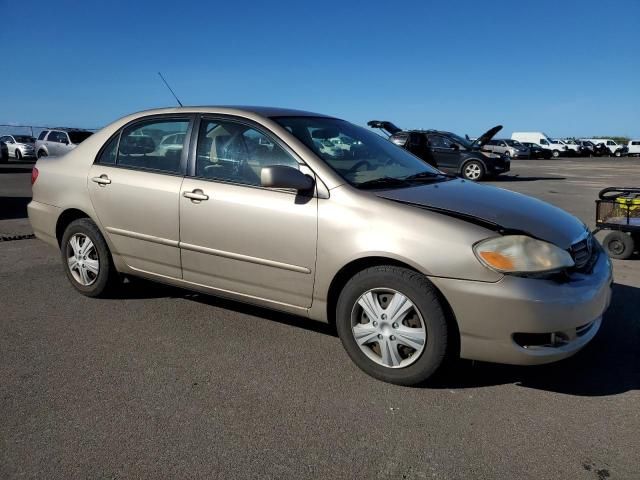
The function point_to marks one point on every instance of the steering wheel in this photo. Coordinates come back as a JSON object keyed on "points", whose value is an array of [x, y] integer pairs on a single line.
{"points": [[360, 164]]}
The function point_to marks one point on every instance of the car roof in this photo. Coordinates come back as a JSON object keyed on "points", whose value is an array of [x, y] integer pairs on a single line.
{"points": [[235, 109], [440, 132]]}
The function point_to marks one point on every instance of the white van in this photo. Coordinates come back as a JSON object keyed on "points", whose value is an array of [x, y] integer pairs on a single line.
{"points": [[541, 139], [615, 148], [634, 147]]}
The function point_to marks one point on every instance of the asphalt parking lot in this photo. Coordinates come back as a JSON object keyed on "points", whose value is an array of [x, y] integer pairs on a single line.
{"points": [[163, 383]]}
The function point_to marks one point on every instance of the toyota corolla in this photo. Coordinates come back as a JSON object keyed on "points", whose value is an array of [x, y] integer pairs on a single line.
{"points": [[411, 265]]}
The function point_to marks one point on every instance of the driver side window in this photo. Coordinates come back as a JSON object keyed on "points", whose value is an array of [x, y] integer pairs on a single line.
{"points": [[235, 152]]}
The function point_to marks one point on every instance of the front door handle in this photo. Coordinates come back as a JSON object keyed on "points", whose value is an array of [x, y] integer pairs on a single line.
{"points": [[101, 180], [196, 195]]}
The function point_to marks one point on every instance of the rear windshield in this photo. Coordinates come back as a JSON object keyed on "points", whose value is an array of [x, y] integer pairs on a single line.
{"points": [[78, 137]]}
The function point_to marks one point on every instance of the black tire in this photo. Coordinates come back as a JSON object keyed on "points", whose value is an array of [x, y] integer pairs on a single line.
{"points": [[42, 153], [466, 170], [619, 245], [107, 276], [419, 290], [18, 155], [555, 153], [618, 153]]}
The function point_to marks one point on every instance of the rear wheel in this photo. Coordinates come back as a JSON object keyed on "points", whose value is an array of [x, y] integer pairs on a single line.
{"points": [[473, 170], [619, 245], [556, 154], [18, 155], [86, 259], [392, 325]]}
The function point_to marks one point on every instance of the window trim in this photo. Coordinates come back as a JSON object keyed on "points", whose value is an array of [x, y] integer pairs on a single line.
{"points": [[191, 170], [190, 117]]}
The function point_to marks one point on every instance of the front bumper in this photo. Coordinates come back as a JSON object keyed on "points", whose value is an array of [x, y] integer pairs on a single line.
{"points": [[499, 166], [491, 316], [27, 152]]}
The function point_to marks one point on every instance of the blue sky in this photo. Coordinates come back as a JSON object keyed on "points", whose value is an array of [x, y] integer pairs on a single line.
{"points": [[563, 67]]}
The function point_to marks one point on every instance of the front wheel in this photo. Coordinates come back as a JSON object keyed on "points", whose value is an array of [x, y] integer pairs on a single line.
{"points": [[556, 154], [392, 325], [618, 153], [42, 153], [86, 259], [619, 245], [18, 155], [473, 170]]}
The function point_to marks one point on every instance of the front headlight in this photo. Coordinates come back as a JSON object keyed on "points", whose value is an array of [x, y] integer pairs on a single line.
{"points": [[521, 254]]}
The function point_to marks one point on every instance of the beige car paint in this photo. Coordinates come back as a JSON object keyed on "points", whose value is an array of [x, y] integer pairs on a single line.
{"points": [[271, 247]]}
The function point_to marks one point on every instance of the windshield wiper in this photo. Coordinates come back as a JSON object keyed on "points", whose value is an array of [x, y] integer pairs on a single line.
{"points": [[384, 182], [427, 176]]}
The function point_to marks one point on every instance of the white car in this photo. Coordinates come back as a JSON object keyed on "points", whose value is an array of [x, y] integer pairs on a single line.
{"points": [[634, 147], [615, 148], [571, 145], [20, 146]]}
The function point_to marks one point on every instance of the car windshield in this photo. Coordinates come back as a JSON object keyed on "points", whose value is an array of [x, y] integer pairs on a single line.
{"points": [[513, 143], [24, 139], [365, 159], [78, 137], [462, 141]]}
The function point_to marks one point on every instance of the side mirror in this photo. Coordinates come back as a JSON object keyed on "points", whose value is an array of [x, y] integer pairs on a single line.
{"points": [[455, 146], [66, 142], [281, 176]]}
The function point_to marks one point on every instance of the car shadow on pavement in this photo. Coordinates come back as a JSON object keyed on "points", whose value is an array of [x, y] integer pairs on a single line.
{"points": [[13, 207], [518, 178], [139, 289], [609, 365]]}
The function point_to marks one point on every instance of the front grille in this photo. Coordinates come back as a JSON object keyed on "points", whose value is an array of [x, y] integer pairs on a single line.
{"points": [[582, 253]]}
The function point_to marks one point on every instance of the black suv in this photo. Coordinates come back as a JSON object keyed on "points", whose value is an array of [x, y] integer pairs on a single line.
{"points": [[448, 151]]}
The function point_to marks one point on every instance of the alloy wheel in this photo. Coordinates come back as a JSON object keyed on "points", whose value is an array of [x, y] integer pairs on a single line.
{"points": [[388, 328], [472, 171], [82, 259]]}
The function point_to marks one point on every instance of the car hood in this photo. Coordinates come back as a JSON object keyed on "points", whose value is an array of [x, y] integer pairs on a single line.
{"points": [[502, 209], [486, 136]]}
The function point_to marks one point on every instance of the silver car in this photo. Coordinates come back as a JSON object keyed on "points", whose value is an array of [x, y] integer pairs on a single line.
{"points": [[56, 142], [506, 146], [20, 146], [411, 265]]}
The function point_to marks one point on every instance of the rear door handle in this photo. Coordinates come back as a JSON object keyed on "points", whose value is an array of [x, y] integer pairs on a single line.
{"points": [[196, 195], [101, 180]]}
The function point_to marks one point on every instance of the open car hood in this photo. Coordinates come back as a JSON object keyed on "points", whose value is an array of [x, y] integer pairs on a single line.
{"points": [[486, 136], [384, 125], [495, 208]]}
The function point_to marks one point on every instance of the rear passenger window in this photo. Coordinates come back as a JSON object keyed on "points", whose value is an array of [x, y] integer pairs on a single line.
{"points": [[59, 137], [109, 153], [153, 145], [235, 152]]}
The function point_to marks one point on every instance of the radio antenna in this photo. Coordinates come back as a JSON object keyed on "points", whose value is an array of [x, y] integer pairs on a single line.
{"points": [[170, 89]]}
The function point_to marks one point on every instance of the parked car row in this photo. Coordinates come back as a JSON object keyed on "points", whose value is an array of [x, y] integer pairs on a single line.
{"points": [[583, 147], [450, 152], [54, 142]]}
